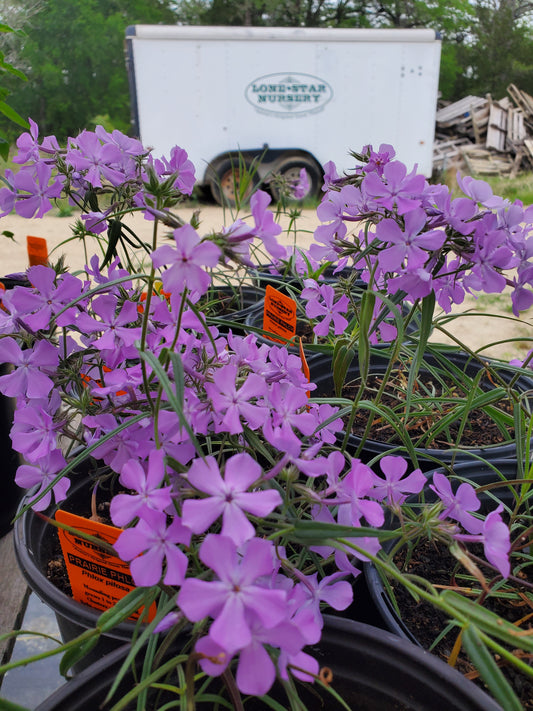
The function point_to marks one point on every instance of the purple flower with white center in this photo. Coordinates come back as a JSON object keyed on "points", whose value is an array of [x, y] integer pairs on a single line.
{"points": [[265, 227], [153, 549], [96, 161], [41, 474], [236, 597], [230, 402], [410, 246], [150, 494], [395, 486], [459, 504], [228, 497], [33, 366], [35, 181], [187, 261], [329, 309]]}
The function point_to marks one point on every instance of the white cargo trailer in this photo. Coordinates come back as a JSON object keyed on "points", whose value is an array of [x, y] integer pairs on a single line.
{"points": [[296, 97]]}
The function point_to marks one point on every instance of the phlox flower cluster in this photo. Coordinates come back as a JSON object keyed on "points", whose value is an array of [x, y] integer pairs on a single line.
{"points": [[218, 450]]}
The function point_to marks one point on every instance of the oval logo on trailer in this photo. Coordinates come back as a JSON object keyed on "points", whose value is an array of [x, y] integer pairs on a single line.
{"points": [[288, 93]]}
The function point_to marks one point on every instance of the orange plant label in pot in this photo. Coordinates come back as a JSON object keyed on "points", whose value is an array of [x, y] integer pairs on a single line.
{"points": [[279, 315], [97, 578]]}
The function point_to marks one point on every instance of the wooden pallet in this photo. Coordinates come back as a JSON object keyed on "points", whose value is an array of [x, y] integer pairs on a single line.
{"points": [[481, 161]]}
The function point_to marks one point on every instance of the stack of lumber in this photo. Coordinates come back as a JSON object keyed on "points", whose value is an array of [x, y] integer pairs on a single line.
{"points": [[484, 135]]}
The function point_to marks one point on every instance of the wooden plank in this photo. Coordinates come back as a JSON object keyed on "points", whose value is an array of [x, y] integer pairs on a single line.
{"points": [[459, 111], [13, 593], [497, 128]]}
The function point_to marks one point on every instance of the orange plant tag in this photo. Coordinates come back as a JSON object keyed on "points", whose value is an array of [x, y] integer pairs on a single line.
{"points": [[305, 366], [37, 251], [279, 314], [97, 578]]}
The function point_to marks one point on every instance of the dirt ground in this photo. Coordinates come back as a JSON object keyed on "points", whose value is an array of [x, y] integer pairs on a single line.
{"points": [[484, 323]]}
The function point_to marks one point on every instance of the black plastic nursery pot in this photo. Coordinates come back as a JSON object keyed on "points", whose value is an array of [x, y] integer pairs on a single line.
{"points": [[479, 473], [427, 458], [231, 306], [36, 544], [372, 670]]}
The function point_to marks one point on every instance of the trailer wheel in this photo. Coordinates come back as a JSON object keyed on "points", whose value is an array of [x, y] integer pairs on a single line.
{"points": [[289, 171], [226, 187]]}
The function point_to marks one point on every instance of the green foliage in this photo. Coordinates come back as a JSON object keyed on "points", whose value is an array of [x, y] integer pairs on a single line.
{"points": [[75, 52], [7, 69]]}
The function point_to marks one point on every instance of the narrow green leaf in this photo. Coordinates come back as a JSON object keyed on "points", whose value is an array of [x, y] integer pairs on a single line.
{"points": [[125, 607], [75, 654], [489, 670]]}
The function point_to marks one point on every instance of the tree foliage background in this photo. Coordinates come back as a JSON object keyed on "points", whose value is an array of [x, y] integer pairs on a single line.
{"points": [[72, 51]]}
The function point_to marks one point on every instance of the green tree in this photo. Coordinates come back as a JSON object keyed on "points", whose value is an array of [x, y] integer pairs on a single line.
{"points": [[74, 52]]}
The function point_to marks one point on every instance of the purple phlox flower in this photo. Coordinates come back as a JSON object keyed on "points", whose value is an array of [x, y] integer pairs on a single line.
{"points": [[300, 188], [129, 148], [172, 437], [490, 255], [395, 486], [159, 545], [114, 271], [480, 191], [239, 238], [9, 194], [416, 283], [329, 309], [284, 366], [121, 383], [378, 159], [352, 493], [32, 369], [133, 443], [50, 295], [343, 558], [288, 408], [307, 462], [95, 222], [458, 213], [36, 190], [29, 148], [265, 226], [246, 352], [330, 175], [230, 402], [187, 261], [336, 593], [9, 318], [449, 289], [496, 540], [522, 297], [411, 245], [458, 505], [34, 432], [326, 432], [96, 160], [118, 328], [150, 494], [237, 596], [180, 165], [395, 188], [41, 474], [335, 207], [228, 497], [299, 664]]}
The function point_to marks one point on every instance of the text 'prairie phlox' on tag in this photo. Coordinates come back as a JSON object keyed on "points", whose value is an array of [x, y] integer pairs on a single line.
{"points": [[97, 578]]}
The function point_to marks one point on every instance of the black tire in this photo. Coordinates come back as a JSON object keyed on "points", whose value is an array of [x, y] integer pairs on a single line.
{"points": [[290, 170], [228, 180]]}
